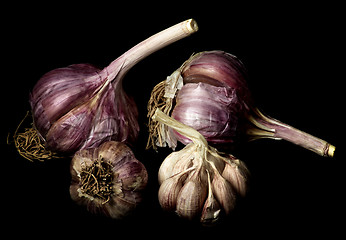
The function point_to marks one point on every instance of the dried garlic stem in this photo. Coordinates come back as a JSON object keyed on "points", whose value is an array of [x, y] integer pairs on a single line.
{"points": [[267, 127], [142, 50], [183, 129], [152, 44]]}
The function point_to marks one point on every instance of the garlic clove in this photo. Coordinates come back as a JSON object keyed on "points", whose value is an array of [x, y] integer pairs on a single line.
{"points": [[187, 159], [211, 210], [166, 168], [62, 89], [68, 133], [122, 205], [224, 193], [169, 191], [116, 152], [133, 176], [236, 175], [217, 161], [191, 199], [176, 162], [125, 166]]}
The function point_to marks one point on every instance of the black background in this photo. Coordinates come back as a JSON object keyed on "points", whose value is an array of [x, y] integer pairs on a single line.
{"points": [[294, 54]]}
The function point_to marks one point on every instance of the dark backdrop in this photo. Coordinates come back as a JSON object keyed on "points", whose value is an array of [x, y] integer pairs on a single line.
{"points": [[294, 54]]}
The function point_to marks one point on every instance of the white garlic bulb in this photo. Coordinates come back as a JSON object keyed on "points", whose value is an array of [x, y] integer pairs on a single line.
{"points": [[198, 181]]}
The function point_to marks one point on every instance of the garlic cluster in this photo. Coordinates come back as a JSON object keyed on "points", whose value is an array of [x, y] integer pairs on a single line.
{"points": [[107, 180], [198, 181]]}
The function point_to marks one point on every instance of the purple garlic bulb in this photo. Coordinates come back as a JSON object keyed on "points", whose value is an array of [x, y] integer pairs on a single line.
{"points": [[213, 97], [77, 107], [209, 93], [108, 180], [81, 106]]}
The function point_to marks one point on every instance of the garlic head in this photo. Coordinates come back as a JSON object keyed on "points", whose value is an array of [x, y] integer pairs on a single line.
{"points": [[107, 180]]}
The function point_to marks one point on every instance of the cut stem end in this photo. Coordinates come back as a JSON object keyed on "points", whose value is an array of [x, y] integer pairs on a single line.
{"points": [[191, 26], [331, 150]]}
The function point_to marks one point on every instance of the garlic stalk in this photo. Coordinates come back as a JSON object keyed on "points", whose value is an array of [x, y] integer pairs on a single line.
{"points": [[81, 106], [198, 181], [209, 92]]}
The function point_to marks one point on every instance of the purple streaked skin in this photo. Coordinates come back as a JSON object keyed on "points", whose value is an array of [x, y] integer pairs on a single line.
{"points": [[108, 126], [127, 177], [217, 118], [88, 104], [60, 90], [220, 69], [267, 127], [212, 111]]}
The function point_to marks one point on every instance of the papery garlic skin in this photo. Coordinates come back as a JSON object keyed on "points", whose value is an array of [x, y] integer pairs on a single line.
{"points": [[208, 109], [75, 110], [211, 209], [114, 121], [212, 99], [235, 173], [224, 192], [166, 168], [191, 197], [217, 68], [201, 188], [212, 111], [128, 178], [176, 162], [169, 191], [81, 106], [192, 181], [214, 96], [60, 90]]}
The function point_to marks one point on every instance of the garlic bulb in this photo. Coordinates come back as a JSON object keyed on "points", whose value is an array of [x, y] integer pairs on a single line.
{"points": [[198, 181], [108, 180], [80, 106], [209, 93], [214, 98]]}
